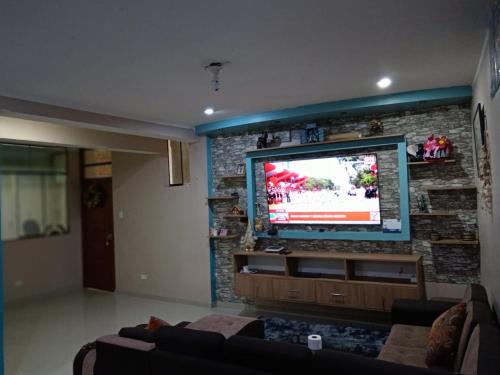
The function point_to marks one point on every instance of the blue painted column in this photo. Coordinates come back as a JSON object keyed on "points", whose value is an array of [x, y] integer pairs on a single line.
{"points": [[1, 291], [210, 180]]}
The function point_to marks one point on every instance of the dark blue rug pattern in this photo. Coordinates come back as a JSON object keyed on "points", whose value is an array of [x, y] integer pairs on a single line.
{"points": [[357, 340]]}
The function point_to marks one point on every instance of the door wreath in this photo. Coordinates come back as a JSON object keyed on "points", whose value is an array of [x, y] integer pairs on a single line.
{"points": [[94, 196]]}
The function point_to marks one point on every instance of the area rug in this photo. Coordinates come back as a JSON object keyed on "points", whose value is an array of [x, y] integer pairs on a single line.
{"points": [[344, 337]]}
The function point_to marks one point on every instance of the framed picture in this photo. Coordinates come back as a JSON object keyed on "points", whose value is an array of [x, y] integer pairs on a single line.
{"points": [[240, 169], [223, 232], [495, 48], [479, 132]]}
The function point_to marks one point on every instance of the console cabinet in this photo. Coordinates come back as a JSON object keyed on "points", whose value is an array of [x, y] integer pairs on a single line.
{"points": [[360, 281]]}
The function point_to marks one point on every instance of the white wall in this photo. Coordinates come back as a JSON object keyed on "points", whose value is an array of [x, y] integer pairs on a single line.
{"points": [[47, 265], [163, 231], [489, 224]]}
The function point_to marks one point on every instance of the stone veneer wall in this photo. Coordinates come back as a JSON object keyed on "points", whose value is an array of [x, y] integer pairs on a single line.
{"points": [[450, 264]]}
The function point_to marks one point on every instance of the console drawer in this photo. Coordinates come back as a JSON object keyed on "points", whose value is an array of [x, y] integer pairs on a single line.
{"points": [[294, 290], [338, 294]]}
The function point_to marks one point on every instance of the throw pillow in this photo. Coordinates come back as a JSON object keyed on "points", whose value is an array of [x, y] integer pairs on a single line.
{"points": [[445, 335], [155, 323]]}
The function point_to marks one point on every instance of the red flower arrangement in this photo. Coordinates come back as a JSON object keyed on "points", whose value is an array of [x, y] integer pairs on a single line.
{"points": [[437, 148]]}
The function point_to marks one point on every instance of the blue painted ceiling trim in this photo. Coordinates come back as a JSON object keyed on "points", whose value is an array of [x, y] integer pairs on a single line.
{"points": [[358, 106]]}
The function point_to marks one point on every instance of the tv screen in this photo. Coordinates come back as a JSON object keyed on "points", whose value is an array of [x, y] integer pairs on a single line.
{"points": [[335, 190]]}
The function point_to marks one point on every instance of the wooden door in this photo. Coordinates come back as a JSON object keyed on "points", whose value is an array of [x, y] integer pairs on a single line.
{"points": [[97, 234]]}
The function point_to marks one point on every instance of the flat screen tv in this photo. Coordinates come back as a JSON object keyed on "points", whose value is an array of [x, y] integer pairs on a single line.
{"points": [[334, 190]]}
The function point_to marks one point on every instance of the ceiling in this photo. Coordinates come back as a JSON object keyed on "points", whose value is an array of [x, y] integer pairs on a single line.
{"points": [[144, 59]]}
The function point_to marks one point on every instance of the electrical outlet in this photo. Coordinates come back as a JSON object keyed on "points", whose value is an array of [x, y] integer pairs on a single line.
{"points": [[120, 214], [144, 276], [18, 283]]}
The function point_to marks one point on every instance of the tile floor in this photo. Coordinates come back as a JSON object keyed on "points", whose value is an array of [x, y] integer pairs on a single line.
{"points": [[42, 337]]}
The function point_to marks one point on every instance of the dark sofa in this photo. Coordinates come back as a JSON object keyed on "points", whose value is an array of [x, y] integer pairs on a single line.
{"points": [[180, 350]]}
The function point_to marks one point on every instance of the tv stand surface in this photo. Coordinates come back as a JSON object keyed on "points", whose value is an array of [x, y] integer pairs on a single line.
{"points": [[354, 280]]}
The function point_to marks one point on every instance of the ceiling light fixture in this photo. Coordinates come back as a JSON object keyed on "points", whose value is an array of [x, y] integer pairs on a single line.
{"points": [[215, 68], [384, 83], [209, 111]]}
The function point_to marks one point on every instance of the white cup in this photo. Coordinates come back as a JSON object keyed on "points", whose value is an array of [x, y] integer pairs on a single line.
{"points": [[246, 269]]}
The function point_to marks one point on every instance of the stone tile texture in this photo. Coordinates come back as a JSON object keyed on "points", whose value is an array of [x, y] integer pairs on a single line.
{"points": [[450, 264]]}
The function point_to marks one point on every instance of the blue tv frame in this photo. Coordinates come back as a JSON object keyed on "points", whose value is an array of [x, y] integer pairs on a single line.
{"points": [[358, 144]]}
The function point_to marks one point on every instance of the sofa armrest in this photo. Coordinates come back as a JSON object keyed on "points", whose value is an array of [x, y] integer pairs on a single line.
{"points": [[122, 355], [352, 364], [126, 342], [418, 312]]}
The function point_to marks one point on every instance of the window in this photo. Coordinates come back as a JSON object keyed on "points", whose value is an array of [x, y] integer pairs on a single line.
{"points": [[34, 191]]}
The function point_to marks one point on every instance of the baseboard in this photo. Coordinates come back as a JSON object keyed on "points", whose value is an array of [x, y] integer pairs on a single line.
{"points": [[230, 305], [165, 299], [41, 297]]}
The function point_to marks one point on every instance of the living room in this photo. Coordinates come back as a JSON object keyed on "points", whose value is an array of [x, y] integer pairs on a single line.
{"points": [[222, 124]]}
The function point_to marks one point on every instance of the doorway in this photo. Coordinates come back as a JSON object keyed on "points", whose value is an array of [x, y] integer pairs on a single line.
{"points": [[97, 220]]}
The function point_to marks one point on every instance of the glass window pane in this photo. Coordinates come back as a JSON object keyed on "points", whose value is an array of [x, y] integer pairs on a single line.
{"points": [[34, 191], [9, 211], [56, 213], [30, 192]]}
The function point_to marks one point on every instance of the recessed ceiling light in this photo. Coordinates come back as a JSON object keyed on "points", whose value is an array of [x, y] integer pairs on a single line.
{"points": [[209, 111], [384, 82]]}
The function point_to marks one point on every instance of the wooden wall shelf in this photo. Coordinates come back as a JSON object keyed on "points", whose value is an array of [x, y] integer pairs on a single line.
{"points": [[235, 216], [451, 187], [333, 279], [222, 198], [434, 162], [234, 177], [434, 213], [455, 242], [228, 237]]}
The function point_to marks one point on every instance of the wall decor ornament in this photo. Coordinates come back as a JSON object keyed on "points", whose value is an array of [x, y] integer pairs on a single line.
{"points": [[484, 175], [495, 48], [249, 240], [312, 134], [482, 156], [479, 131], [375, 128], [437, 147], [94, 196]]}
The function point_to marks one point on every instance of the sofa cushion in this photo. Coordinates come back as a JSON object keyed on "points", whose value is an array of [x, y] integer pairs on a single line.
{"points": [[403, 355], [409, 336], [475, 292], [137, 333], [190, 342], [228, 325], [155, 323], [477, 313], [275, 357], [482, 354], [445, 335]]}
